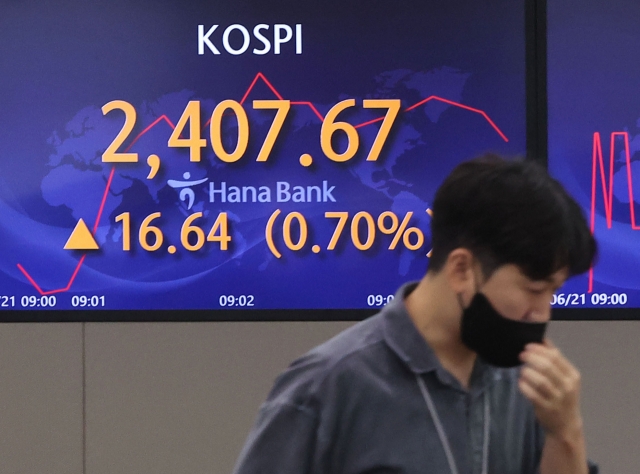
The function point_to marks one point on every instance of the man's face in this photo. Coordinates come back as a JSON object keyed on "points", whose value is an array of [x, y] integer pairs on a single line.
{"points": [[515, 296]]}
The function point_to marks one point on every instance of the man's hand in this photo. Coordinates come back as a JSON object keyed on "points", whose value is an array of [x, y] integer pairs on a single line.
{"points": [[552, 384]]}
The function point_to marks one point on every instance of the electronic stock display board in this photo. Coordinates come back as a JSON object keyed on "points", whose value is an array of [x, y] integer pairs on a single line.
{"points": [[238, 159], [594, 144]]}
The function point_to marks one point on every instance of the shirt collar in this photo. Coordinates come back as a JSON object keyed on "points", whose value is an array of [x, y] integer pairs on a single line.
{"points": [[402, 336]]}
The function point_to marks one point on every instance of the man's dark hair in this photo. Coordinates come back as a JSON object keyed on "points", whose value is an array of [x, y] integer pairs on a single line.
{"points": [[510, 212]]}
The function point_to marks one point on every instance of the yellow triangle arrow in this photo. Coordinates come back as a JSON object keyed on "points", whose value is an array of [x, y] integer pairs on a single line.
{"points": [[81, 238]]}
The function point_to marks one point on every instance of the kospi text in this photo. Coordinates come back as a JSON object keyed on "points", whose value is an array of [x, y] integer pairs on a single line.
{"points": [[236, 39]]}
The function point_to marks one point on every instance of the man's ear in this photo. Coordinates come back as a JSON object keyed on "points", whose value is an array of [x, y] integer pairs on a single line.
{"points": [[459, 271]]}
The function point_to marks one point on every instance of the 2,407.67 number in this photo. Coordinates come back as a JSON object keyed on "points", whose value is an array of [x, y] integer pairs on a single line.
{"points": [[195, 142]]}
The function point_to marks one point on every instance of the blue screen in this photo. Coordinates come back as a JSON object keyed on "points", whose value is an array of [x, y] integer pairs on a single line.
{"points": [[594, 139], [240, 154]]}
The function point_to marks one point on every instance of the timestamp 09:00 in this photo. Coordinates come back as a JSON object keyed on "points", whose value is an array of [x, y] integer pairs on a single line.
{"points": [[43, 301], [596, 299]]}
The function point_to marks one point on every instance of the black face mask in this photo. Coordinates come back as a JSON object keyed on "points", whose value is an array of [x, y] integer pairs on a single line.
{"points": [[496, 339]]}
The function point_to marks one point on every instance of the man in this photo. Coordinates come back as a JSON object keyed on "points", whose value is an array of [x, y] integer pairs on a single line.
{"points": [[430, 385]]}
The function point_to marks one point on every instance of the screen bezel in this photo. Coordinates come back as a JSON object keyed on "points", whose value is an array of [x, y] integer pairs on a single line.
{"points": [[537, 149]]}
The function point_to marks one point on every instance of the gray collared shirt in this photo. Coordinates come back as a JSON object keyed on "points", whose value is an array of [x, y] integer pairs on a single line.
{"points": [[353, 406]]}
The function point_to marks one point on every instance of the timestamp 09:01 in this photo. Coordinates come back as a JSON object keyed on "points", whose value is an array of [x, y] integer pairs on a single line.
{"points": [[83, 301], [596, 299]]}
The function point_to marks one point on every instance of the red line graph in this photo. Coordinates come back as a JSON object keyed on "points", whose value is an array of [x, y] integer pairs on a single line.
{"points": [[242, 101], [607, 191]]}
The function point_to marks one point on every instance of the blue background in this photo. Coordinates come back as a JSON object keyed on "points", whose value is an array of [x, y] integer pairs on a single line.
{"points": [[593, 84], [61, 62]]}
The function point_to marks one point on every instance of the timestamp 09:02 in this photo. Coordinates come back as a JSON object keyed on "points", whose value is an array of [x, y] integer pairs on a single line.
{"points": [[241, 301], [596, 299]]}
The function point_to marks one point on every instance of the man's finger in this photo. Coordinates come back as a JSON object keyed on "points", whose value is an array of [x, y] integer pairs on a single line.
{"points": [[545, 387], [531, 394], [552, 354], [544, 365]]}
